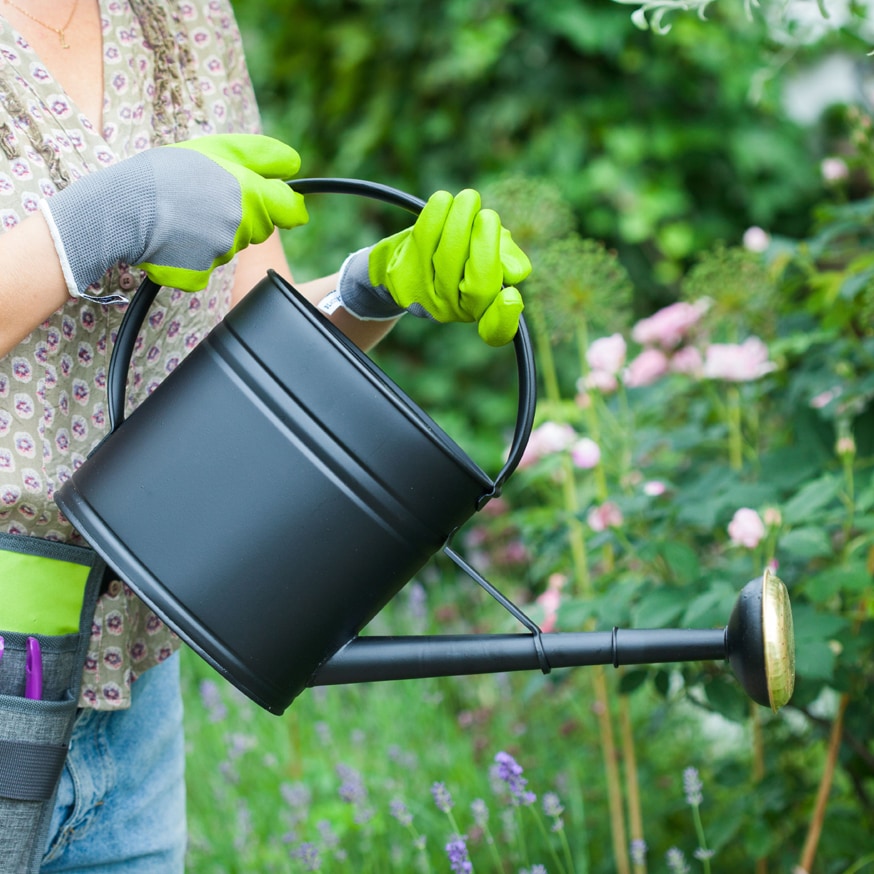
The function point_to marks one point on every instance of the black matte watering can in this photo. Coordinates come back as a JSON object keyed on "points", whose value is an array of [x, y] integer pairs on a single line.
{"points": [[278, 489]]}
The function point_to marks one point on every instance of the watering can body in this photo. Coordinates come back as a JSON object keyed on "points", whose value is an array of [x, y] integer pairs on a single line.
{"points": [[273, 494]]}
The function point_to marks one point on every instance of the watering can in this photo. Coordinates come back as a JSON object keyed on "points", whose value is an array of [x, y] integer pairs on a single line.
{"points": [[278, 489]]}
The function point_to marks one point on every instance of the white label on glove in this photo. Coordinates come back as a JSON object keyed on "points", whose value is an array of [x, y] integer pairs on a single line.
{"points": [[331, 302]]}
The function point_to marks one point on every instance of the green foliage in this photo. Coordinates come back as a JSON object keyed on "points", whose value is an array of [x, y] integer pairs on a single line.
{"points": [[655, 143]]}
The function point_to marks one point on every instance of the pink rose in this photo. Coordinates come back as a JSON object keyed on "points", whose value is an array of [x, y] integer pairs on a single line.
{"points": [[607, 354], [746, 528], [598, 380], [737, 362], [756, 239], [687, 360], [834, 169], [654, 488], [550, 600], [670, 325], [825, 398], [586, 453], [549, 438], [604, 516], [650, 365]]}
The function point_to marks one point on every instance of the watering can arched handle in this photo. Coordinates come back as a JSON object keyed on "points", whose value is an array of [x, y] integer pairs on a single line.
{"points": [[119, 362]]}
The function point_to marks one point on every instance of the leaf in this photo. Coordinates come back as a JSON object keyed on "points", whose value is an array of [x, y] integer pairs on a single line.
{"points": [[712, 607], [825, 585], [681, 559], [662, 682], [631, 680], [658, 608], [812, 625], [725, 696], [855, 283], [805, 543], [811, 498], [815, 661]]}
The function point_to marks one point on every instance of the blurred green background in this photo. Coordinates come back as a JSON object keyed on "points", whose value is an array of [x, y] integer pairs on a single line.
{"points": [[725, 156]]}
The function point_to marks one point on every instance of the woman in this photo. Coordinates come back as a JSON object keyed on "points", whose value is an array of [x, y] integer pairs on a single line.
{"points": [[93, 95]]}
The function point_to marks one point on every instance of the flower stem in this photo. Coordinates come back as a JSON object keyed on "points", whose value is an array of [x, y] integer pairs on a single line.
{"points": [[808, 852], [547, 840], [611, 769], [735, 436], [579, 556], [493, 849], [702, 841], [632, 786]]}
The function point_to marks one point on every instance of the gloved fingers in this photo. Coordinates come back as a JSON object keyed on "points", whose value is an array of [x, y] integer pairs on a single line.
{"points": [[426, 232], [514, 261], [483, 272], [410, 270], [263, 155], [268, 203], [500, 322], [453, 249]]}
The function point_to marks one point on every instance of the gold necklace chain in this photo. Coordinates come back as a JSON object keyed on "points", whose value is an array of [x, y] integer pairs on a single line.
{"points": [[60, 31]]}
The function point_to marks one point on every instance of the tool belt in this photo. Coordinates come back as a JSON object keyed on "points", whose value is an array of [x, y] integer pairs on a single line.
{"points": [[48, 592]]}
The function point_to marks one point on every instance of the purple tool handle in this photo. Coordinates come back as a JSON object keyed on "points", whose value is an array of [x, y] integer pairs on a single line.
{"points": [[33, 670]]}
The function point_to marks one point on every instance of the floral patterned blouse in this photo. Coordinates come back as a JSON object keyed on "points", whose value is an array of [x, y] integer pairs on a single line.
{"points": [[172, 71]]}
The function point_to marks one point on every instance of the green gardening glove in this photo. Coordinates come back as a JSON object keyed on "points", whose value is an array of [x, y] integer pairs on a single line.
{"points": [[177, 211], [455, 264]]}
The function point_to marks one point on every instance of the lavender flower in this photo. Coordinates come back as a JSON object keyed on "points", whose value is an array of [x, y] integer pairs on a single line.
{"points": [[210, 696], [401, 812], [676, 861], [509, 771], [692, 786], [352, 786], [323, 730], [353, 791], [442, 798], [330, 839], [242, 838], [480, 812], [459, 862], [298, 797], [239, 744], [638, 851], [417, 607], [308, 855]]}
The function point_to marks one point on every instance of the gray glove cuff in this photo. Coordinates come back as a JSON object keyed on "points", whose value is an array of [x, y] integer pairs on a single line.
{"points": [[358, 296], [88, 233], [167, 207]]}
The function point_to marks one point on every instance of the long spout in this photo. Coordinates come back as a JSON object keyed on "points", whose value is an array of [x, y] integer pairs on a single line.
{"points": [[368, 659], [758, 643]]}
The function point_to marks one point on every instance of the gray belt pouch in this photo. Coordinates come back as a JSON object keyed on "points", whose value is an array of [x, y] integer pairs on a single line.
{"points": [[35, 734]]}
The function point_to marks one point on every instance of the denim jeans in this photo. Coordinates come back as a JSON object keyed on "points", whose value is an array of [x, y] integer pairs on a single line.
{"points": [[121, 800]]}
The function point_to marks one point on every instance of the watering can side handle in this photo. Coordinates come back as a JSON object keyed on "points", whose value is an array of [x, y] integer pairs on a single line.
{"points": [[119, 361]]}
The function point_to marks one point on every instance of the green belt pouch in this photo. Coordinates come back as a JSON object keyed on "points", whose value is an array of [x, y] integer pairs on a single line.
{"points": [[48, 591]]}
